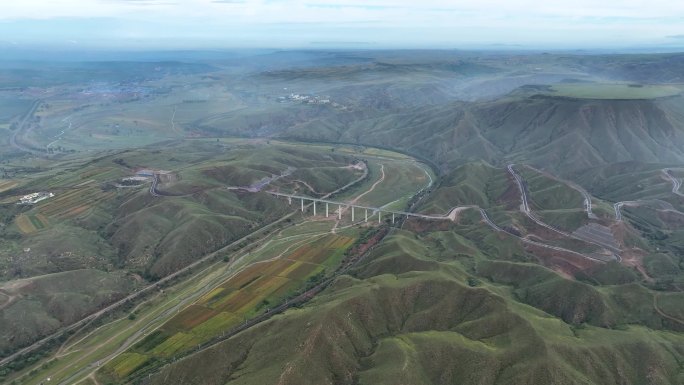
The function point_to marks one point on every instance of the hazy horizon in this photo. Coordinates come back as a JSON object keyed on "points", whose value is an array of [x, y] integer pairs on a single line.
{"points": [[379, 24]]}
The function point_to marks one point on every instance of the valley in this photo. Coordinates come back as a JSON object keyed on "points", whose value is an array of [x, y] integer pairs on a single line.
{"points": [[361, 217]]}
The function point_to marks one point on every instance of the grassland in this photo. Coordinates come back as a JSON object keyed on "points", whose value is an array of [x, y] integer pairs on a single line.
{"points": [[627, 181], [614, 91], [555, 202], [91, 225], [86, 200], [436, 302], [392, 184], [48, 301], [84, 349], [75, 355], [470, 184], [415, 311], [274, 269]]}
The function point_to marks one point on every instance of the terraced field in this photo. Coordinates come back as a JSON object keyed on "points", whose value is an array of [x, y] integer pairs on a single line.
{"points": [[244, 295], [7, 185], [77, 201], [75, 193], [31, 223]]}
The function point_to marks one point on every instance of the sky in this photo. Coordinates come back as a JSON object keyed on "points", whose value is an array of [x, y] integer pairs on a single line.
{"points": [[372, 24]]}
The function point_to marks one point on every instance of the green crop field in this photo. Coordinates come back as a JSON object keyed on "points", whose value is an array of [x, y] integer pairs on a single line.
{"points": [[240, 297]]}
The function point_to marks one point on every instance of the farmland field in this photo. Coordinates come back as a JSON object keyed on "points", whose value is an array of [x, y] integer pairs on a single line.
{"points": [[89, 223], [249, 292], [199, 275], [258, 278], [30, 223], [7, 185], [75, 202]]}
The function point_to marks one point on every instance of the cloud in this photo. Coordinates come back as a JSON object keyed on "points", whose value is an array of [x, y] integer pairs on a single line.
{"points": [[144, 2], [676, 37], [382, 21]]}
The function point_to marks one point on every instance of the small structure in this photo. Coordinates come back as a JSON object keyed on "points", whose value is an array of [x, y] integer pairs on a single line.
{"points": [[35, 197], [135, 179], [132, 181], [145, 173]]}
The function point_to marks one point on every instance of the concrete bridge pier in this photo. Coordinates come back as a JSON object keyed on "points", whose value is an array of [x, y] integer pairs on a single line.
{"points": [[366, 215], [392, 218], [326, 210], [314, 202], [352, 210], [379, 216], [289, 200], [302, 204], [339, 212]]}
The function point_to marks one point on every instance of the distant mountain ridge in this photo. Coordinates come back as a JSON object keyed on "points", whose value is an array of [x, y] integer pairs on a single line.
{"points": [[562, 134]]}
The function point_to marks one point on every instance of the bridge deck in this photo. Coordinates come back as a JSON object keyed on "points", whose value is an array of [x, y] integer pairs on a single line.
{"points": [[348, 204]]}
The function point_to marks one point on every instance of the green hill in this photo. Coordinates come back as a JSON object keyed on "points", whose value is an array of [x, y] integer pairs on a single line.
{"points": [[91, 227], [492, 296], [406, 317]]}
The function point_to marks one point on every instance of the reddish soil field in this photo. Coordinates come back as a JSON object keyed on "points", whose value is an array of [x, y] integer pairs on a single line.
{"points": [[563, 262], [189, 318]]}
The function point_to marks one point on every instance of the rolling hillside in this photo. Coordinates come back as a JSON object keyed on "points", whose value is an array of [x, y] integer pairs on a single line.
{"points": [[560, 134], [72, 254], [406, 318], [507, 278]]}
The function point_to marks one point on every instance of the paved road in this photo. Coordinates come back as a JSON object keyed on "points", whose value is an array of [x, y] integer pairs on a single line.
{"points": [[155, 285], [572, 185], [20, 130], [131, 297], [493, 225], [297, 301], [153, 186], [143, 330], [618, 207], [676, 183], [525, 207], [618, 214], [488, 221], [521, 188]]}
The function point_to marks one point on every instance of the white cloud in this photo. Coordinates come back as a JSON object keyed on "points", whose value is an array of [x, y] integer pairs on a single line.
{"points": [[518, 21], [287, 10]]}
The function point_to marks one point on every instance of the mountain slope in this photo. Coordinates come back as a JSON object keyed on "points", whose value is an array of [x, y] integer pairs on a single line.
{"points": [[425, 325], [561, 134]]}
